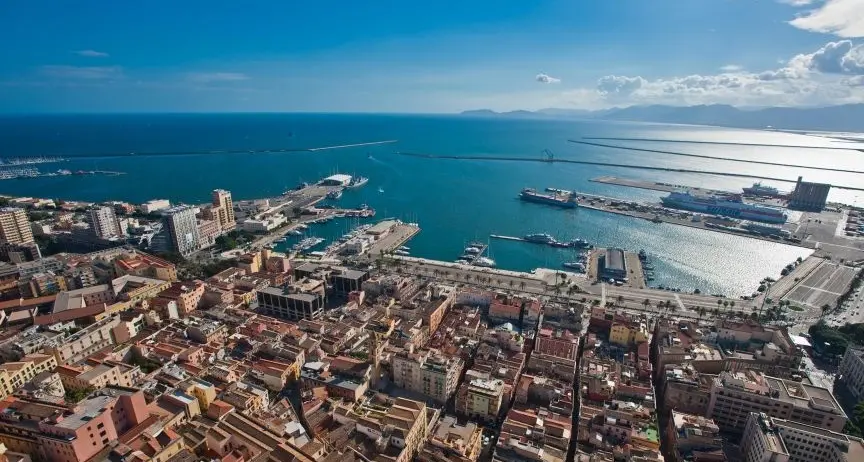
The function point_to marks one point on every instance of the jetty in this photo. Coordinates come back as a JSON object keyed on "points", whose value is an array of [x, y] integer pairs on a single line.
{"points": [[506, 238]]}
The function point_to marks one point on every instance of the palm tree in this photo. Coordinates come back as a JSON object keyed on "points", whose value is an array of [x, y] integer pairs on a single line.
{"points": [[510, 283], [646, 303], [719, 302], [621, 299], [732, 305], [716, 311], [522, 285], [825, 309]]}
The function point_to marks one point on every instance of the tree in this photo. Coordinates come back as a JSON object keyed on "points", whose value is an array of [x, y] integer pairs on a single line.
{"points": [[74, 395], [732, 305], [226, 242], [646, 303], [719, 302]]}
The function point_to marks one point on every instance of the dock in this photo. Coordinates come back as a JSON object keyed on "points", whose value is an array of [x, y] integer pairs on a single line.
{"points": [[635, 277], [653, 185]]}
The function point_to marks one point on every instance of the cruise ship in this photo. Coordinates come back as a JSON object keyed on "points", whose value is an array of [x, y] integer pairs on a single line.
{"points": [[758, 189], [530, 195], [730, 206]]}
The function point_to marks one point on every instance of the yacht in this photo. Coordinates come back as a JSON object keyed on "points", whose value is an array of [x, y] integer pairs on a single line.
{"points": [[574, 265], [484, 262], [539, 238], [472, 250]]}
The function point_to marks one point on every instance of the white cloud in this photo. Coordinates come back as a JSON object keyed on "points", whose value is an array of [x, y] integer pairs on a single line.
{"points": [[731, 68], [619, 85], [91, 53], [798, 2], [83, 72], [545, 78], [844, 18], [210, 77], [841, 57]]}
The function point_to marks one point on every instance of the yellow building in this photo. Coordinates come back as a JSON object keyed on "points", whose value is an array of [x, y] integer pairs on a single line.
{"points": [[14, 374], [15, 226], [204, 392], [626, 334]]}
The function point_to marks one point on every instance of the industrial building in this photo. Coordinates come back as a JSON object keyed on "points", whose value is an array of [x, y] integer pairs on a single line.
{"points": [[809, 196], [612, 264], [336, 180]]}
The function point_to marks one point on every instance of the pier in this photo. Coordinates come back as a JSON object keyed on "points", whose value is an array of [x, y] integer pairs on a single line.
{"points": [[506, 238], [728, 159], [654, 185], [551, 160], [724, 143]]}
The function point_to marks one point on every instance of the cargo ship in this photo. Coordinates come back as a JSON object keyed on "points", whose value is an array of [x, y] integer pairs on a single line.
{"points": [[729, 206], [530, 195], [758, 189]]}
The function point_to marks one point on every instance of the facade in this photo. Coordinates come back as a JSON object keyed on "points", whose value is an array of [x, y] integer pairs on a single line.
{"points": [[182, 229], [427, 372], [761, 441], [852, 370], [809, 196], [104, 222], [480, 399], [735, 395], [84, 342], [208, 231], [688, 434], [223, 209], [73, 434], [15, 226], [297, 303], [449, 441], [155, 205]]}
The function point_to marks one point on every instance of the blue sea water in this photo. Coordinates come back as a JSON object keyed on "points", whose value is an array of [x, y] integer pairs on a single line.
{"points": [[454, 201]]}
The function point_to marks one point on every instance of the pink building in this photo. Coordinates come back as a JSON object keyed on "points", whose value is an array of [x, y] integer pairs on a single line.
{"points": [[557, 342], [63, 434]]}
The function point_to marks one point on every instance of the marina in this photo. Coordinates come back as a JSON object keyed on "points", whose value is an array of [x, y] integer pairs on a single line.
{"points": [[30, 172]]}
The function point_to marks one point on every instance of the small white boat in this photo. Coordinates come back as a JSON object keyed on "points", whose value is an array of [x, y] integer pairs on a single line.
{"points": [[484, 262], [381, 190], [405, 248], [401, 252], [472, 250]]}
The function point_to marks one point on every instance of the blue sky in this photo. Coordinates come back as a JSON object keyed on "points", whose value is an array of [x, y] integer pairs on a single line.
{"points": [[443, 56]]}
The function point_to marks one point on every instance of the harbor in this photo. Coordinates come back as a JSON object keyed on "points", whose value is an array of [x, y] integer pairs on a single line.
{"points": [[31, 172]]}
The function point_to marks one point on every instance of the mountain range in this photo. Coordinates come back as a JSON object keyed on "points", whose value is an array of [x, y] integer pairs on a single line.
{"points": [[848, 117]]}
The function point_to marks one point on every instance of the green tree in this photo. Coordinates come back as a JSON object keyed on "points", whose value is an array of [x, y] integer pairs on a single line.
{"points": [[74, 395]]}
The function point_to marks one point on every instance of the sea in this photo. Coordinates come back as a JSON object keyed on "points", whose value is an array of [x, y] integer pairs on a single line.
{"points": [[455, 202]]}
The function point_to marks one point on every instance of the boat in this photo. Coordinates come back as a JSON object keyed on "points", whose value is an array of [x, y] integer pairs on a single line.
{"points": [[295, 232], [758, 189], [401, 252], [579, 243], [463, 261], [648, 267], [574, 265], [730, 206], [485, 262], [472, 250], [405, 248], [642, 255], [381, 190], [558, 200], [281, 239], [334, 194], [539, 238], [302, 226], [562, 245], [358, 181]]}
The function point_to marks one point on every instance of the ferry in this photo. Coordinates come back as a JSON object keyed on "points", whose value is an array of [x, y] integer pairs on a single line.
{"points": [[730, 206], [539, 238], [530, 195], [758, 189]]}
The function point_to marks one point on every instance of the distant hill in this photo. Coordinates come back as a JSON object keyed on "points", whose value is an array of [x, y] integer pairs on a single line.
{"points": [[849, 117]]}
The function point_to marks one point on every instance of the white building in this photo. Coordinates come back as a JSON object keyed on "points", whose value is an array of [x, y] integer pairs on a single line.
{"points": [[852, 369], [155, 205], [802, 443], [182, 229], [104, 222], [264, 225], [336, 180]]}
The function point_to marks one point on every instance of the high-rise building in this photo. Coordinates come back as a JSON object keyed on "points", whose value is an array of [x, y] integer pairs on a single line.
{"points": [[104, 222], [182, 229], [223, 208], [14, 226]]}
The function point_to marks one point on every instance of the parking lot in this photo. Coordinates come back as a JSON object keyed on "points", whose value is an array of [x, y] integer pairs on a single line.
{"points": [[824, 285]]}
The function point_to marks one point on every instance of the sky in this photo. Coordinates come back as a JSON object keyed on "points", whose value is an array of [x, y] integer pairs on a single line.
{"points": [[426, 57]]}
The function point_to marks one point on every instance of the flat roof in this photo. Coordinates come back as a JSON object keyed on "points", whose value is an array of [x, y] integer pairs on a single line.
{"points": [[342, 178]]}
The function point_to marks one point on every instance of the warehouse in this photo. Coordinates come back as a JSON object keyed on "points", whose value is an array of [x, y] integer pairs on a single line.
{"points": [[612, 264]]}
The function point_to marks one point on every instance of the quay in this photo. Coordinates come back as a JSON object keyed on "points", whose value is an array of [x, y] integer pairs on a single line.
{"points": [[506, 238], [632, 265], [653, 185]]}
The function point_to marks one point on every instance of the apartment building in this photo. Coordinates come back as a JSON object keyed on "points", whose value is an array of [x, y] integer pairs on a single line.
{"points": [[687, 434], [15, 374], [186, 294], [83, 343], [71, 434], [450, 441], [557, 342], [104, 223], [761, 442], [98, 376], [397, 429], [15, 226], [428, 372], [734, 395], [182, 229], [852, 371], [223, 209], [480, 399], [804, 443]]}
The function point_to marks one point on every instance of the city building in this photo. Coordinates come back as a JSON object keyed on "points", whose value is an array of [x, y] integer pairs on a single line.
{"points": [[612, 264], [15, 374], [693, 437], [852, 372], [734, 395], [155, 205], [809, 196], [449, 441], [428, 372], [103, 222], [480, 399], [187, 295], [208, 231], [71, 434], [15, 226], [223, 209], [81, 344], [396, 429], [804, 443], [761, 442], [182, 229], [557, 342], [301, 300], [146, 265]]}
